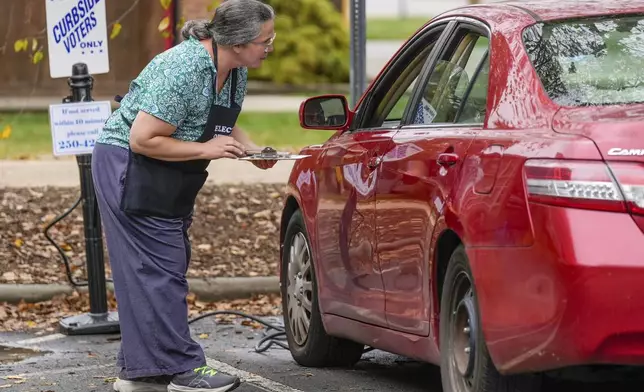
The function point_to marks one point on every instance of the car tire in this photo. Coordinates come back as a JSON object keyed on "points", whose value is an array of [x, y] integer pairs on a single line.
{"points": [[312, 346], [466, 365]]}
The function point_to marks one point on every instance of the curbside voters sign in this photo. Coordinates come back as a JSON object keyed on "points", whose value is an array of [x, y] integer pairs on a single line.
{"points": [[77, 32]]}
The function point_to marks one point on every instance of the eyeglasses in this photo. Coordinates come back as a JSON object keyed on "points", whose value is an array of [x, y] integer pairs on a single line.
{"points": [[268, 42]]}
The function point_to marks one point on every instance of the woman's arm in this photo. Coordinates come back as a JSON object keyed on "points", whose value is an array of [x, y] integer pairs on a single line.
{"points": [[150, 136]]}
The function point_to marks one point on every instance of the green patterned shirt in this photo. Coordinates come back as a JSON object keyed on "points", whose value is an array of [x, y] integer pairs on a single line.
{"points": [[176, 87]]}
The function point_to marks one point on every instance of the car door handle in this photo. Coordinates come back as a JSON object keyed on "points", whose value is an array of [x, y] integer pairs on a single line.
{"points": [[374, 162], [447, 159]]}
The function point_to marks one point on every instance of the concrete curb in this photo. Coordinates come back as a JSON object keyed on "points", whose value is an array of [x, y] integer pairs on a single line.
{"points": [[213, 289]]}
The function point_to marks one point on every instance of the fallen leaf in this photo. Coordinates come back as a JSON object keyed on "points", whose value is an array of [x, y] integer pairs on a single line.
{"points": [[181, 22], [20, 45], [38, 56], [164, 24], [9, 276], [266, 214], [18, 243], [203, 336], [116, 30], [6, 132], [19, 378], [34, 45], [242, 211]]}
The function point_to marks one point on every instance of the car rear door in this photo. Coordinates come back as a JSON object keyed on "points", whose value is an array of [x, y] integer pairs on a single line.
{"points": [[348, 169], [417, 179]]}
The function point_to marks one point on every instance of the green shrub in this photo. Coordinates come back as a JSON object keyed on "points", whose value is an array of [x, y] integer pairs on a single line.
{"points": [[312, 45]]}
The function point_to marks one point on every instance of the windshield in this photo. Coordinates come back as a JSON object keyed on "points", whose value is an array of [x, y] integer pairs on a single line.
{"points": [[598, 61]]}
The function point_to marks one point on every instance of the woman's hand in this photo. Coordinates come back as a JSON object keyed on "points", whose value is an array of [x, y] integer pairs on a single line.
{"points": [[264, 164], [223, 147]]}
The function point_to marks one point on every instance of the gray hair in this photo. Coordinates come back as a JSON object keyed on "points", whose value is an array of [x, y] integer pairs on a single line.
{"points": [[236, 22]]}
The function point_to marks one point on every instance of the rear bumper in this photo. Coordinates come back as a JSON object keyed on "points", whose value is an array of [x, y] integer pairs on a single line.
{"points": [[575, 297]]}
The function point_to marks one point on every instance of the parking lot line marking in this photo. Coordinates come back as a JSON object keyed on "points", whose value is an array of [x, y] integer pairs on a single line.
{"points": [[41, 339], [254, 379]]}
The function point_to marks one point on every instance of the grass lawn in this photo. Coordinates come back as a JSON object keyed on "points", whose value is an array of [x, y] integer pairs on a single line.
{"points": [[31, 135], [393, 29]]}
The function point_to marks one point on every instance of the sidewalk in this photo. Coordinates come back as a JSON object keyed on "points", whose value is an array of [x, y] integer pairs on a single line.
{"points": [[64, 173]]}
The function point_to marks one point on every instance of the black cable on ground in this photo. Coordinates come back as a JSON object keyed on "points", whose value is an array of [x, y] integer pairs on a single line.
{"points": [[60, 250], [275, 338]]}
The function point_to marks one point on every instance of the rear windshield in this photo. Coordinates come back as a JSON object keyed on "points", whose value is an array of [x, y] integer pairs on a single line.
{"points": [[598, 61]]}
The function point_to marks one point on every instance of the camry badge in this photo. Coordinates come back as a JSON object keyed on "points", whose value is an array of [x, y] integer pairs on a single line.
{"points": [[625, 152]]}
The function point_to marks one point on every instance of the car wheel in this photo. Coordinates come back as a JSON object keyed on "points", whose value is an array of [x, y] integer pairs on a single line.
{"points": [[308, 342], [466, 365]]}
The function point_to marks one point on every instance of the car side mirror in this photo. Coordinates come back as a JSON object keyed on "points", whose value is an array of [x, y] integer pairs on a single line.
{"points": [[324, 112]]}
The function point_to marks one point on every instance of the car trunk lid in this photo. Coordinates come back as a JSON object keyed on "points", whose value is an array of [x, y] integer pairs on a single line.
{"points": [[618, 132]]}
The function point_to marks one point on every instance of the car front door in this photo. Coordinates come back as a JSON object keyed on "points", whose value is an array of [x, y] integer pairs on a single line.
{"points": [[348, 168], [418, 176]]}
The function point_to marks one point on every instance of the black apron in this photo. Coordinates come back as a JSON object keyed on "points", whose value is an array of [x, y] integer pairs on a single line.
{"points": [[164, 189]]}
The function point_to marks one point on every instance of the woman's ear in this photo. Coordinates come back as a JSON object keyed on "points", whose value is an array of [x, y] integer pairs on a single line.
{"points": [[237, 48]]}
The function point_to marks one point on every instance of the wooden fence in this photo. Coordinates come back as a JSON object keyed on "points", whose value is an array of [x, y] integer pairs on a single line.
{"points": [[137, 43]]}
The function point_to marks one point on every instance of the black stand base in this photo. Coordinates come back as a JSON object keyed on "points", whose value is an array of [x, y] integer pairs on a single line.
{"points": [[91, 324]]}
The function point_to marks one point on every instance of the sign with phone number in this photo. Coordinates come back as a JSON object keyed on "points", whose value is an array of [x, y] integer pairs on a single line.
{"points": [[75, 126]]}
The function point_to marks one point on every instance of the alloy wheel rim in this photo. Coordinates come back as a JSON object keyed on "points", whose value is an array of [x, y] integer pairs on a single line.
{"points": [[299, 289]]}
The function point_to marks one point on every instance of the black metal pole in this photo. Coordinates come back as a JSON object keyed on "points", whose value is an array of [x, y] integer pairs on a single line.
{"points": [[99, 320], [358, 50]]}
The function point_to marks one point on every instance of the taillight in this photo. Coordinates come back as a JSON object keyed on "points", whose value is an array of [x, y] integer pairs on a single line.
{"points": [[578, 184], [630, 177]]}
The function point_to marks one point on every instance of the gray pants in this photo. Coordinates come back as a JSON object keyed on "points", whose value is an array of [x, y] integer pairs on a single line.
{"points": [[149, 259]]}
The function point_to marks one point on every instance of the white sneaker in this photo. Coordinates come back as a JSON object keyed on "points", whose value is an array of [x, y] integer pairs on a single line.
{"points": [[148, 384]]}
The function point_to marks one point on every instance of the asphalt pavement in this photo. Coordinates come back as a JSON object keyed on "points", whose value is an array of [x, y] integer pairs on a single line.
{"points": [[86, 363]]}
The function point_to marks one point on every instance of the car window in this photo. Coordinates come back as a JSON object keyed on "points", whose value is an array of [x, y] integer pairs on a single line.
{"points": [[394, 106], [475, 104], [394, 90], [592, 61], [459, 78]]}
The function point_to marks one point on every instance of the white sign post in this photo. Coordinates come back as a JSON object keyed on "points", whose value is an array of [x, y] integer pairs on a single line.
{"points": [[77, 33], [75, 126]]}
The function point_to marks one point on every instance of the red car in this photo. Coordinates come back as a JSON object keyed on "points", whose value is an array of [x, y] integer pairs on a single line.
{"points": [[482, 207]]}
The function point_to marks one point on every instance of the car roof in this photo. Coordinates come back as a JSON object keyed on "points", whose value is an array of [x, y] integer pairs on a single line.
{"points": [[544, 10], [565, 9]]}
